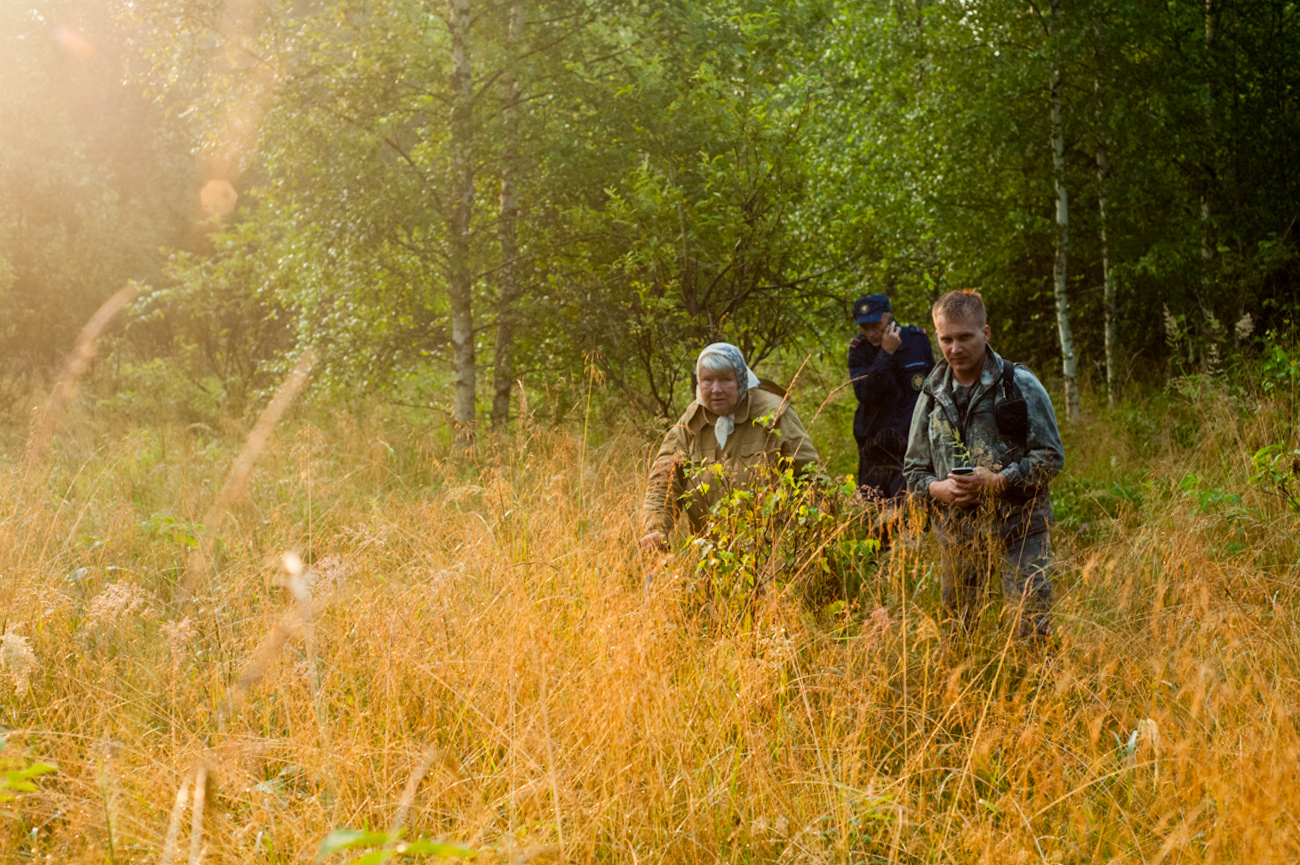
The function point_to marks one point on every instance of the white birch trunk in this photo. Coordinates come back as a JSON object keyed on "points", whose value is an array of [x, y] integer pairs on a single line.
{"points": [[1207, 246], [1062, 259], [508, 289], [462, 202], [1107, 278]]}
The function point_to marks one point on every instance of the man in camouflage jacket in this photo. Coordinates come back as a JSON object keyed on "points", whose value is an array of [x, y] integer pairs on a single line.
{"points": [[989, 487]]}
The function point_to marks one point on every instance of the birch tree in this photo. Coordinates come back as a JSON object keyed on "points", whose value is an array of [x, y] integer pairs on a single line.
{"points": [[509, 289], [1061, 260], [460, 281], [1109, 304]]}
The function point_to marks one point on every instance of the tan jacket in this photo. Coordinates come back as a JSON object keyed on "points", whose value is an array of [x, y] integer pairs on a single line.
{"points": [[691, 474]]}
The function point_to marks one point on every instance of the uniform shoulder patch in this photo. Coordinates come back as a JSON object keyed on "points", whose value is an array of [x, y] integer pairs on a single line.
{"points": [[918, 381]]}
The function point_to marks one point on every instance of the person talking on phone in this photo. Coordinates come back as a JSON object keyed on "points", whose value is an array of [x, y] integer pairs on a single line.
{"points": [[887, 365], [983, 448]]}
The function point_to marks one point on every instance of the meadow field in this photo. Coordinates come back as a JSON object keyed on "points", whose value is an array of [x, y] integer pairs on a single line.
{"points": [[223, 658]]}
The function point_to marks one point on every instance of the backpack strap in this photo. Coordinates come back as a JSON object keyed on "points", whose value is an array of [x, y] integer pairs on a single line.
{"points": [[1011, 411], [1009, 388]]}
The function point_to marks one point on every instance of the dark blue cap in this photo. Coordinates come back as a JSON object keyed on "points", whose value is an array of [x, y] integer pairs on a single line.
{"points": [[869, 309]]}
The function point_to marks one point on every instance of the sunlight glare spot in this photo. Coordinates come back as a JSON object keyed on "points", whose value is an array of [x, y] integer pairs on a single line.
{"points": [[75, 42], [218, 197]]}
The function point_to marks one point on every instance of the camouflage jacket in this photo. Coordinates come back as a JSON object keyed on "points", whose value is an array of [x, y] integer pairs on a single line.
{"points": [[691, 473], [940, 430]]}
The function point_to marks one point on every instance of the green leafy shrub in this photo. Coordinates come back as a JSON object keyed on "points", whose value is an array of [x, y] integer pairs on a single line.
{"points": [[1276, 467], [785, 533], [1081, 502], [1279, 370]]}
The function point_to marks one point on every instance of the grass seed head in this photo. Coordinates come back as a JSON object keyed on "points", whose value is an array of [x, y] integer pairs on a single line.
{"points": [[19, 660], [116, 602]]}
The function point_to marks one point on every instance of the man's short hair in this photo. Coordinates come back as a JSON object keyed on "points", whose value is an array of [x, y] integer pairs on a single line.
{"points": [[964, 304]]}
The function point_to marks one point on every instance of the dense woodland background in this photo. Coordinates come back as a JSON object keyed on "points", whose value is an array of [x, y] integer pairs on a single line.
{"points": [[450, 198], [526, 217]]}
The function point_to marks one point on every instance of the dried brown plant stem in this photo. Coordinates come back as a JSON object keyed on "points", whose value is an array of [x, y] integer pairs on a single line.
{"points": [[789, 390], [199, 566], [83, 353], [408, 794], [265, 654], [300, 586], [196, 815], [550, 752], [300, 618], [174, 825], [108, 789]]}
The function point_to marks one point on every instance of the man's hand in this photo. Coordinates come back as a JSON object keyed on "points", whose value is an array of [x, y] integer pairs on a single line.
{"points": [[968, 489], [944, 491], [654, 542], [987, 481], [892, 338]]}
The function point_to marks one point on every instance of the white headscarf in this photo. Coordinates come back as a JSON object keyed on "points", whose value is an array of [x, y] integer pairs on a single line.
{"points": [[745, 379]]}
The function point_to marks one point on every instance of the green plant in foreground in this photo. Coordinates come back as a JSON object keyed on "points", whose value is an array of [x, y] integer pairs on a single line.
{"points": [[782, 532], [959, 449], [390, 845], [18, 773]]}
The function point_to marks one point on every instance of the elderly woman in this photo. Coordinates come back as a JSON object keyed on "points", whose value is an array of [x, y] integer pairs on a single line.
{"points": [[727, 434]]}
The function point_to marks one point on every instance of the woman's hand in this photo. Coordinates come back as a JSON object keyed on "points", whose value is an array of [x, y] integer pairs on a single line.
{"points": [[654, 542]]}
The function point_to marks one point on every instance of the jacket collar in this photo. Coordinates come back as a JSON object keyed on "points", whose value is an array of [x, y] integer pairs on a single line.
{"points": [[938, 384], [697, 416]]}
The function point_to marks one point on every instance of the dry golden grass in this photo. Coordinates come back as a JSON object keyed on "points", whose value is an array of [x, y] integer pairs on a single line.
{"points": [[472, 655]]}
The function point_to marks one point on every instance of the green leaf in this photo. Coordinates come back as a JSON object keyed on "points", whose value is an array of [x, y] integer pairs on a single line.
{"points": [[347, 839], [33, 770], [373, 858], [427, 846], [17, 779]]}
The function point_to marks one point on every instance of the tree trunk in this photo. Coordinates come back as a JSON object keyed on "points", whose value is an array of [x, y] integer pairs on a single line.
{"points": [[1107, 278], [1061, 262], [1207, 244], [508, 289], [462, 203]]}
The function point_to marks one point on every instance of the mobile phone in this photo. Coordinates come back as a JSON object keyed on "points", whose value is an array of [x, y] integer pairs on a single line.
{"points": [[964, 470]]}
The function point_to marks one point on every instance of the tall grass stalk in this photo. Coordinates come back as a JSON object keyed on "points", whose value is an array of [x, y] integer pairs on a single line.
{"points": [[76, 366], [236, 484], [196, 815], [174, 824]]}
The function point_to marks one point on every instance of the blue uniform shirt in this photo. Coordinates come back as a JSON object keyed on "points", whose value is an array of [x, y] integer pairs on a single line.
{"points": [[887, 385]]}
